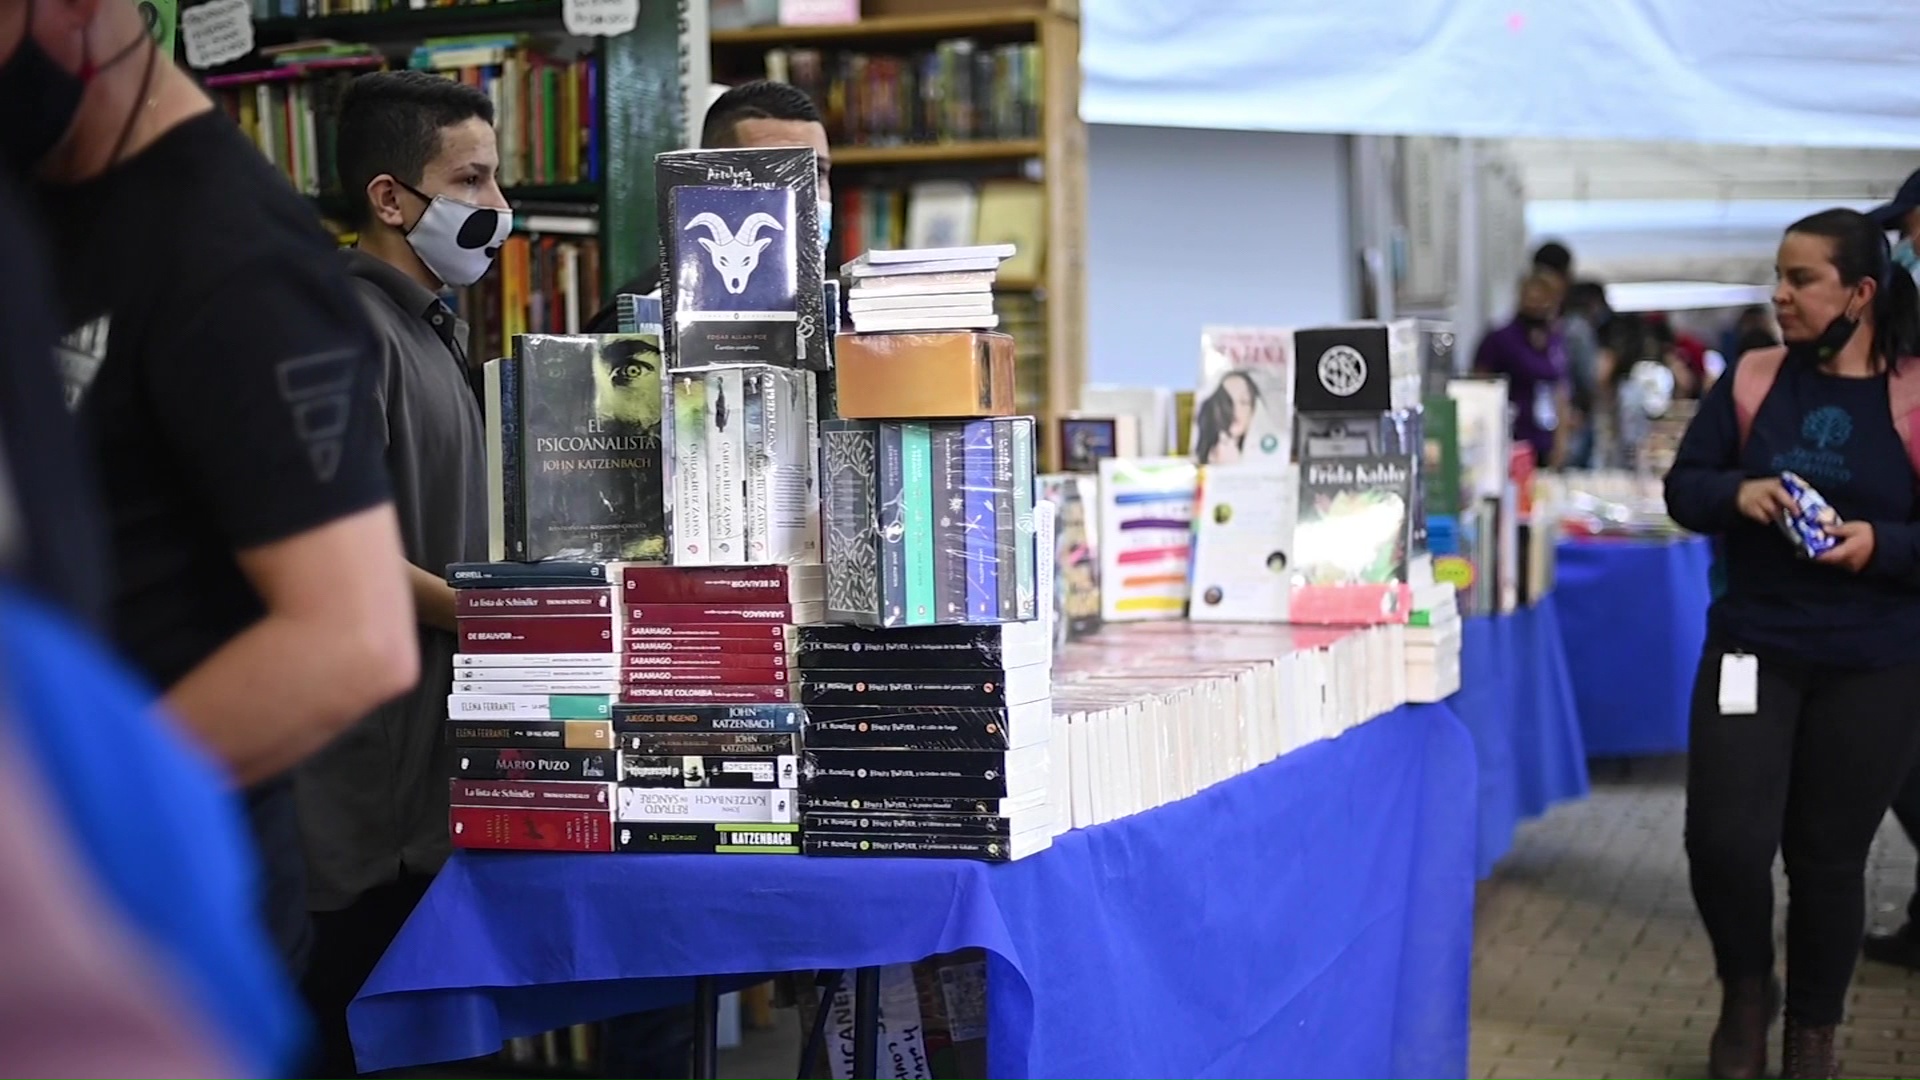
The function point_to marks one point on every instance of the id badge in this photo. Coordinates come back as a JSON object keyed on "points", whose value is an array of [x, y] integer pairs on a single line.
{"points": [[1739, 684]]}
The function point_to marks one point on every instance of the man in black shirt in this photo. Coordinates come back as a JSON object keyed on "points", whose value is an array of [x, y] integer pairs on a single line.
{"points": [[223, 380], [758, 113], [417, 158]]}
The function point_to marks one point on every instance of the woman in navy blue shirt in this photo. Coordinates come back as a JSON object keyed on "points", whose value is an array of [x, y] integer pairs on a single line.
{"points": [[1804, 712]]}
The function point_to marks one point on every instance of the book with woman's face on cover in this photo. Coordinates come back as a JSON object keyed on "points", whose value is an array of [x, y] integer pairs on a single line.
{"points": [[1243, 409]]}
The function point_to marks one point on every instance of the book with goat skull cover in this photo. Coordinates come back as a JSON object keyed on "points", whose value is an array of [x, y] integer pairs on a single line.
{"points": [[743, 258]]}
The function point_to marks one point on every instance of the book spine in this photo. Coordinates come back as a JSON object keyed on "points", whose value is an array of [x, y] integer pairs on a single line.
{"points": [[650, 637], [668, 805], [950, 525], [688, 486], [561, 734], [532, 794], [746, 656], [513, 575], [658, 693], [650, 616], [714, 771], [848, 462], [718, 838], [534, 601], [1007, 578], [722, 585], [754, 390], [732, 675], [546, 687], [512, 828], [1025, 555], [916, 505], [794, 446], [512, 450], [529, 706], [891, 538], [500, 763], [729, 719], [538, 634], [726, 468], [702, 743], [982, 571]]}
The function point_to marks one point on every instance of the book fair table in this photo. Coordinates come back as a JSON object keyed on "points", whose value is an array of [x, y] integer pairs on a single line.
{"points": [[1312, 917], [1516, 698], [1633, 614]]}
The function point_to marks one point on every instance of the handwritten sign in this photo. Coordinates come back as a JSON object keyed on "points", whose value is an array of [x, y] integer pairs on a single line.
{"points": [[600, 18], [217, 33]]}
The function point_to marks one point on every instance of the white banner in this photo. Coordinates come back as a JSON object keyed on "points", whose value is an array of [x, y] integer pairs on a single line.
{"points": [[1760, 72]]}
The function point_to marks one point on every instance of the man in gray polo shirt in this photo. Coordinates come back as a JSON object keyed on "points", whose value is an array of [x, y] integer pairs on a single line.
{"points": [[417, 160]]}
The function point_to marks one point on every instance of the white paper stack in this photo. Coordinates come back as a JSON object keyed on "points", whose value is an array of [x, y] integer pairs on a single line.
{"points": [[925, 289], [1433, 638]]}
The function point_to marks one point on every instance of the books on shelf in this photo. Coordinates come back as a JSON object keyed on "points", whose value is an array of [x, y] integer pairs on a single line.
{"points": [[957, 90], [546, 114]]}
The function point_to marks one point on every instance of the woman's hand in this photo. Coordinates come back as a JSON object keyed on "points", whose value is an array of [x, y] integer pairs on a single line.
{"points": [[1764, 500], [1855, 547]]}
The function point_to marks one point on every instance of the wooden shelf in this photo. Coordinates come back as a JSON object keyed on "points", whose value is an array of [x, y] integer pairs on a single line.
{"points": [[334, 203], [936, 153], [413, 22], [1008, 23]]}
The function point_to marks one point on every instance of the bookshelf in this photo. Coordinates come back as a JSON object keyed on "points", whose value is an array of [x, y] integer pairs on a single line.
{"points": [[596, 193], [882, 83]]}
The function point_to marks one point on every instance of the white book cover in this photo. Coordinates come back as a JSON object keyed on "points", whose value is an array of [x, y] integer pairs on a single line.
{"points": [[889, 323], [951, 253], [491, 706], [1080, 767], [539, 661], [1485, 430], [975, 284], [706, 805], [931, 303], [462, 675], [687, 475], [541, 687], [1243, 542], [1243, 408], [1146, 537], [726, 467]]}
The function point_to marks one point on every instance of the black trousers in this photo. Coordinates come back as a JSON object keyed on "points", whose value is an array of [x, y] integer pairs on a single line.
{"points": [[347, 944], [1906, 809], [1810, 776]]}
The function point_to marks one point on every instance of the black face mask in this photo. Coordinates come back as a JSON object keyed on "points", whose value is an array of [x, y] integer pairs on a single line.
{"points": [[1827, 344], [38, 100]]}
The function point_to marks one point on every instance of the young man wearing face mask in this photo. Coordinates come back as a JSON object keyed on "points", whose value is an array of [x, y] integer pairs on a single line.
{"points": [[754, 114], [222, 382], [417, 158]]}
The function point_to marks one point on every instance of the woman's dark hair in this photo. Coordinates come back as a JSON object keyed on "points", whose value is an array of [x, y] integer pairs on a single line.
{"points": [[1214, 420], [1860, 251]]}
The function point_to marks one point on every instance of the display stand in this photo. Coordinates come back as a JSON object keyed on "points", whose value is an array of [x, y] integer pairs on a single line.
{"points": [[1315, 912], [1636, 613]]}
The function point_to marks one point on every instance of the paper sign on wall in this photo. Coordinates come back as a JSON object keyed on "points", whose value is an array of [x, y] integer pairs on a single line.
{"points": [[600, 18], [217, 33]]}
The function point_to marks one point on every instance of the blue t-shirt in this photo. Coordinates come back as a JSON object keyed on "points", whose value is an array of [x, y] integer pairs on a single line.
{"points": [[158, 827], [1838, 435]]}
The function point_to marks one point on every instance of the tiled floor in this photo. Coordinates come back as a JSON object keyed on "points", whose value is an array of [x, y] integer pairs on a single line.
{"points": [[1589, 960]]}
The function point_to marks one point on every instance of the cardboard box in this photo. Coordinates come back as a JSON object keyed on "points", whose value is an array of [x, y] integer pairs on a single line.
{"points": [[942, 375]]}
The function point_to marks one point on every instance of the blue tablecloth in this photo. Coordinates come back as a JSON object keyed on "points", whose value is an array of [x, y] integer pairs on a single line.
{"points": [[1517, 701], [1634, 617], [1310, 918]]}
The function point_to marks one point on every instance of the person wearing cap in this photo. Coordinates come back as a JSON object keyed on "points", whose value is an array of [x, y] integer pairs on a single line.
{"points": [[1901, 947], [418, 159], [1902, 216]]}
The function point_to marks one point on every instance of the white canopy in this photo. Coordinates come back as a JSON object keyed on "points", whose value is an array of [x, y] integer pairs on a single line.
{"points": [[1760, 72], [1683, 295]]}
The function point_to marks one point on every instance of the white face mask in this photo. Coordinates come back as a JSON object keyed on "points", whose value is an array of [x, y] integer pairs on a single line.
{"points": [[457, 240]]}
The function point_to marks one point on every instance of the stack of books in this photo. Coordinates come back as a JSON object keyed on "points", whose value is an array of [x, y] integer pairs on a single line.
{"points": [[643, 692], [928, 289], [928, 742], [1434, 636]]}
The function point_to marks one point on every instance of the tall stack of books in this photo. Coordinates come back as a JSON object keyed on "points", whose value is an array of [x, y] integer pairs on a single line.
{"points": [[535, 680], [707, 727], [929, 702], [928, 742], [932, 289]]}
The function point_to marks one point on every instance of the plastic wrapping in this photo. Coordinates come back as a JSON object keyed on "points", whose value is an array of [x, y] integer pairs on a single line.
{"points": [[1354, 539], [1806, 525], [742, 257], [929, 523], [574, 427], [741, 466], [934, 375]]}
